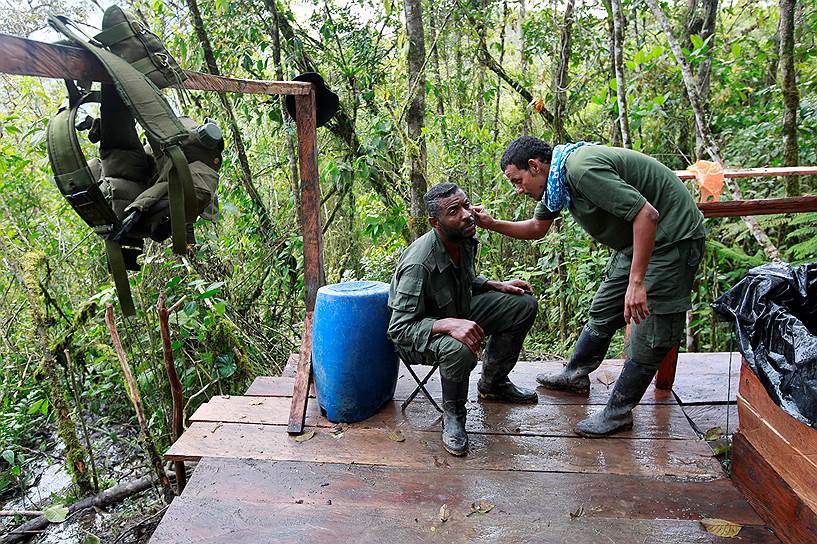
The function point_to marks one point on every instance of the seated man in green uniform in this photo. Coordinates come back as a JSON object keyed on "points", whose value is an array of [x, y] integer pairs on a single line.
{"points": [[442, 311], [641, 210]]}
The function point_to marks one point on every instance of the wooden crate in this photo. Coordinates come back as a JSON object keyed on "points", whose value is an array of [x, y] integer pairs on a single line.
{"points": [[775, 463]]}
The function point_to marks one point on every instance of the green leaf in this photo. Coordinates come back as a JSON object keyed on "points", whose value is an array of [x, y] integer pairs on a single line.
{"points": [[56, 513], [639, 57], [8, 456], [696, 41], [736, 50], [34, 408], [92, 539], [660, 99], [631, 65], [656, 52], [172, 282], [613, 84]]}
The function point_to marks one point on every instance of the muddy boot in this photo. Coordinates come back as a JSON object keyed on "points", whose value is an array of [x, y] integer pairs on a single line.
{"points": [[588, 353], [501, 355], [455, 395], [618, 414]]}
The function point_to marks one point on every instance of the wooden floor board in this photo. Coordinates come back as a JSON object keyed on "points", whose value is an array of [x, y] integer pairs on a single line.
{"points": [[709, 416], [524, 374], [704, 378], [300, 502], [683, 458], [650, 421]]}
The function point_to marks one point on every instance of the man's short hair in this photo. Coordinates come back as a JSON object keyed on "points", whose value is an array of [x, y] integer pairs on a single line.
{"points": [[433, 196], [523, 149]]}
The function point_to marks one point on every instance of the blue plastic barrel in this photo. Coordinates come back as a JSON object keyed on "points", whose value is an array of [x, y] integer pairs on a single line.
{"points": [[353, 361]]}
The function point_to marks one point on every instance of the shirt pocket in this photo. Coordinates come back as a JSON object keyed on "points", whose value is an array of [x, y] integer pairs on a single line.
{"points": [[407, 294]]}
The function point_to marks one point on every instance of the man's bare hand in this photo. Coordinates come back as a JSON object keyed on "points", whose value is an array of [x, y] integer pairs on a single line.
{"points": [[483, 218], [514, 287], [635, 303], [466, 331]]}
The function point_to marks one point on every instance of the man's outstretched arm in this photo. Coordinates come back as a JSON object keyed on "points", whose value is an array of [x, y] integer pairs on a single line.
{"points": [[529, 229]]}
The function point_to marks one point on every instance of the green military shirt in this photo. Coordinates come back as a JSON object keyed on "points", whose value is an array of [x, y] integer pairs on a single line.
{"points": [[427, 286], [609, 186]]}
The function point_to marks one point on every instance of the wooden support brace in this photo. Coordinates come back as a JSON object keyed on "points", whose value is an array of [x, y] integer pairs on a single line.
{"points": [[32, 58], [313, 250]]}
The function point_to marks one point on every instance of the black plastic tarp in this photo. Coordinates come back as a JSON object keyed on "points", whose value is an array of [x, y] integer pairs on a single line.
{"points": [[774, 308]]}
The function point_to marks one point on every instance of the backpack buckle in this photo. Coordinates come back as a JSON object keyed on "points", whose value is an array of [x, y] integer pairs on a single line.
{"points": [[163, 59]]}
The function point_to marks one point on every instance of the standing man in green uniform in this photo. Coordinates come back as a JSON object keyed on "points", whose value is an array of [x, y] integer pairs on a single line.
{"points": [[637, 207], [442, 311]]}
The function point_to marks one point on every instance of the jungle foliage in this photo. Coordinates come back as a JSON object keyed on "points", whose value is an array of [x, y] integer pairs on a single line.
{"points": [[243, 284]]}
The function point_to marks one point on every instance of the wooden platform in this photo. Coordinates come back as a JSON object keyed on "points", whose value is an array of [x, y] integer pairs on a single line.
{"points": [[651, 484]]}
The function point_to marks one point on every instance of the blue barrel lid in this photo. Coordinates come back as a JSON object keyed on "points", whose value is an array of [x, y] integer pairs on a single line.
{"points": [[353, 288]]}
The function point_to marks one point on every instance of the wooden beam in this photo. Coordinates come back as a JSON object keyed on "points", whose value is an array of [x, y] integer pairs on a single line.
{"points": [[313, 249], [758, 172], [32, 58], [737, 208]]}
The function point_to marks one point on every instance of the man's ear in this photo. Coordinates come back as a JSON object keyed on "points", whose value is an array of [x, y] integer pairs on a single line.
{"points": [[434, 222], [534, 163]]}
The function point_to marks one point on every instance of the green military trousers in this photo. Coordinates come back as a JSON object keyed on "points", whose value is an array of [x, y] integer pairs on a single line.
{"points": [[497, 313], [668, 281]]}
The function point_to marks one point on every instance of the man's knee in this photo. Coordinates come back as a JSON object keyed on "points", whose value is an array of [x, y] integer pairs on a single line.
{"points": [[654, 337], [456, 359], [522, 308]]}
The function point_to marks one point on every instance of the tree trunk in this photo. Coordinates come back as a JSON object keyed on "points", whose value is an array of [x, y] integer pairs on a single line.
{"points": [[523, 62], [701, 122], [791, 94], [416, 114], [501, 58], [490, 62], [212, 67], [341, 125], [560, 76], [435, 62], [618, 65], [292, 156], [615, 126], [76, 457]]}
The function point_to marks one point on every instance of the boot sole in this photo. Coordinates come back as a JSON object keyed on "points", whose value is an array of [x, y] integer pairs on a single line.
{"points": [[455, 453], [491, 396], [566, 389], [625, 427]]}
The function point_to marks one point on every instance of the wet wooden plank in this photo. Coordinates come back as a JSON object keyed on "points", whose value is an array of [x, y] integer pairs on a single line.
{"points": [[789, 446], [301, 388], [32, 58], [245, 500], [704, 378], [651, 421], [524, 374], [656, 457], [776, 502], [708, 416]]}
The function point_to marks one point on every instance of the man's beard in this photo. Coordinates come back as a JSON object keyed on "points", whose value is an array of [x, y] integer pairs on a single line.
{"points": [[456, 235]]}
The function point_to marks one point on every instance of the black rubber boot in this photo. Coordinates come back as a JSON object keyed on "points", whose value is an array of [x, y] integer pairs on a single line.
{"points": [[588, 353], [617, 415], [500, 356], [455, 395]]}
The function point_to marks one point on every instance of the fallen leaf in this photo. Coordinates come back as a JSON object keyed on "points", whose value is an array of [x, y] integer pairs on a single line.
{"points": [[217, 427], [539, 105], [56, 513], [92, 539], [713, 434], [721, 527], [259, 403], [303, 437], [578, 513], [396, 436], [719, 446], [606, 377], [481, 507], [444, 512]]}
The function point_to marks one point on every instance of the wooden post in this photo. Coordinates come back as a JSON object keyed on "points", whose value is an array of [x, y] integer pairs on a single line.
{"points": [[313, 249], [177, 427]]}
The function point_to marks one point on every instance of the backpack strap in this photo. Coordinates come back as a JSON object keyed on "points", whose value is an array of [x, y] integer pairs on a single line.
{"points": [[152, 111], [81, 189], [72, 175]]}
